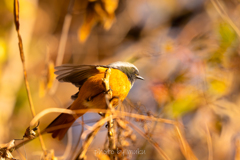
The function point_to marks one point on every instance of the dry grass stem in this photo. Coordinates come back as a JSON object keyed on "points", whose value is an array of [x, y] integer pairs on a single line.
{"points": [[61, 110], [21, 155], [68, 149], [237, 154], [108, 97], [20, 44], [220, 9], [63, 42], [79, 140], [155, 145], [90, 134], [185, 148], [210, 145]]}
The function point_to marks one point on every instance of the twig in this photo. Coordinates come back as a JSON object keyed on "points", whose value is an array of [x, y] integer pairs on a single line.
{"points": [[237, 154], [20, 44], [210, 145], [186, 150], [218, 6], [63, 41], [119, 113], [79, 140], [108, 97], [69, 145], [91, 133], [133, 115], [156, 146], [61, 110], [21, 155]]}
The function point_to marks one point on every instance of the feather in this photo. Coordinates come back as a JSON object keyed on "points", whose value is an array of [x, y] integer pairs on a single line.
{"points": [[76, 74]]}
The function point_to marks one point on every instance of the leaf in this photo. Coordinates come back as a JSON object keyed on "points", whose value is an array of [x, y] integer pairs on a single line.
{"points": [[226, 38], [46, 82], [89, 22], [160, 93], [110, 6], [182, 105], [227, 34], [97, 12], [217, 87]]}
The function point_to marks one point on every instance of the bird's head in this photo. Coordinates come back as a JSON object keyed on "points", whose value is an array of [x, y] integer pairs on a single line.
{"points": [[129, 69]]}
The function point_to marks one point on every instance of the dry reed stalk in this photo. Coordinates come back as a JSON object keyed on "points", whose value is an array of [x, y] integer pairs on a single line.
{"points": [[20, 44]]}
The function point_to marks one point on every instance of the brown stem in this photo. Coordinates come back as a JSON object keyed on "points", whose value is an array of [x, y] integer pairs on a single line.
{"points": [[20, 44]]}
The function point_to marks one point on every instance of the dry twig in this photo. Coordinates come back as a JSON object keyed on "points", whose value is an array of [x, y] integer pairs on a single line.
{"points": [[186, 150], [20, 44], [220, 9], [63, 41], [156, 146], [210, 145], [108, 97]]}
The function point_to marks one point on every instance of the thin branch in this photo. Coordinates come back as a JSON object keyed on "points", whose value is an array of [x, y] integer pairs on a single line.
{"points": [[79, 140], [90, 134], [210, 145], [186, 150], [20, 44], [155, 145], [61, 110], [108, 97], [220, 9], [69, 144], [21, 155], [237, 150], [63, 42]]}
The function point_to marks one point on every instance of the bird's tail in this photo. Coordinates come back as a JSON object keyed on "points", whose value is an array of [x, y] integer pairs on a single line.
{"points": [[62, 123]]}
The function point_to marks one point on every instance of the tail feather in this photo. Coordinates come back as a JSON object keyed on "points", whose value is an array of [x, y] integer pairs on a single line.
{"points": [[65, 120]]}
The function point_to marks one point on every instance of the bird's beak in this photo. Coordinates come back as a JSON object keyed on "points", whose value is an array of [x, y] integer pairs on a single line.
{"points": [[139, 77]]}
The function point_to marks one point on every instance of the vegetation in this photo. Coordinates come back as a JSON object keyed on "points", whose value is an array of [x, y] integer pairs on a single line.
{"points": [[187, 51]]}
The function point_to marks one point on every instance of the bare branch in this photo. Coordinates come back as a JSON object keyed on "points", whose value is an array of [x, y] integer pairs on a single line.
{"points": [[20, 44]]}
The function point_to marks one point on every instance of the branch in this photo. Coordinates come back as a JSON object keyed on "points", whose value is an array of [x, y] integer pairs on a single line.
{"points": [[20, 44], [108, 97]]}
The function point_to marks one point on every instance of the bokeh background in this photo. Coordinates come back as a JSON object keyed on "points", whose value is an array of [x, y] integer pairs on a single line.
{"points": [[187, 51]]}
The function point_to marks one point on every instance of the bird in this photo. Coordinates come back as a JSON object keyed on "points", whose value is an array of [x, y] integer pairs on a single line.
{"points": [[91, 94]]}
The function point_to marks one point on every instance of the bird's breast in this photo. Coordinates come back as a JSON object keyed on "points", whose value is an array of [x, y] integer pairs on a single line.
{"points": [[119, 84]]}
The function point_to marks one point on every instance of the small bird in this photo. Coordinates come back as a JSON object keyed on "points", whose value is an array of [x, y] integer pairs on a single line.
{"points": [[91, 94]]}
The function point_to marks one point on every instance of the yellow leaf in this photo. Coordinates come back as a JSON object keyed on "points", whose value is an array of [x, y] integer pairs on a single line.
{"points": [[182, 105], [100, 11], [110, 6], [217, 86], [89, 22], [106, 18]]}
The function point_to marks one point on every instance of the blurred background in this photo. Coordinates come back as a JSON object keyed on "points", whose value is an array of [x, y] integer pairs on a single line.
{"points": [[187, 51]]}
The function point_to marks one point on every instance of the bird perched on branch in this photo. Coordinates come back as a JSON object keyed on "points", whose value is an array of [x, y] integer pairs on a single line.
{"points": [[91, 95]]}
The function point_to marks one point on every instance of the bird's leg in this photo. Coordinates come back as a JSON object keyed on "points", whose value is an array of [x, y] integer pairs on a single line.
{"points": [[106, 92], [92, 97]]}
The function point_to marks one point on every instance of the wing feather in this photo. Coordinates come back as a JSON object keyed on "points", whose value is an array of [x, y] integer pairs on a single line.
{"points": [[76, 74]]}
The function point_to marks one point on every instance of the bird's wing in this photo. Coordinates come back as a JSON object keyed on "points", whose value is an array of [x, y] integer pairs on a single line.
{"points": [[76, 74]]}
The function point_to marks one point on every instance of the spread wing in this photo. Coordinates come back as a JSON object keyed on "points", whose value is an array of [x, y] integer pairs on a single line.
{"points": [[76, 74]]}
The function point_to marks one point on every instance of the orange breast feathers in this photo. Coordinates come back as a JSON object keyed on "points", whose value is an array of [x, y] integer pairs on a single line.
{"points": [[93, 87]]}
